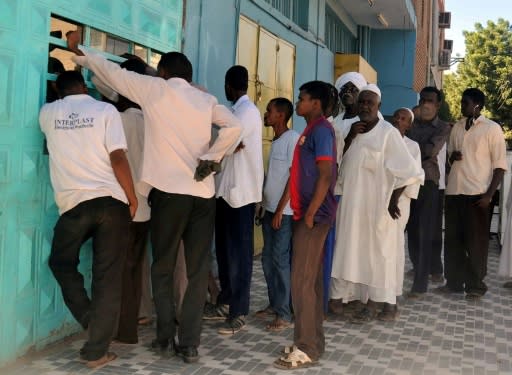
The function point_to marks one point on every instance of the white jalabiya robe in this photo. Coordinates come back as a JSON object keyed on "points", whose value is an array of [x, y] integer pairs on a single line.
{"points": [[365, 257], [505, 267], [404, 204], [341, 129]]}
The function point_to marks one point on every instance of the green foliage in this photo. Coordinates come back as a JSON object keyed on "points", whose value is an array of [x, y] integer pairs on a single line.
{"points": [[488, 67]]}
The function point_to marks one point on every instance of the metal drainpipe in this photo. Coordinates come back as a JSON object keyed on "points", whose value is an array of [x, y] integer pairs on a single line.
{"points": [[317, 36], [237, 26]]}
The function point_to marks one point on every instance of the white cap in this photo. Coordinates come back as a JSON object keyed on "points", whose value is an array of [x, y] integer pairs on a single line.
{"points": [[373, 88]]}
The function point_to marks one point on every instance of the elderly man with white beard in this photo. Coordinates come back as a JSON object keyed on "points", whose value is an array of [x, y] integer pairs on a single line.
{"points": [[375, 170]]}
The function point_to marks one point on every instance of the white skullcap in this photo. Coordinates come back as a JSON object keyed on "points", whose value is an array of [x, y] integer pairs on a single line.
{"points": [[373, 88], [104, 89], [356, 78], [408, 110]]}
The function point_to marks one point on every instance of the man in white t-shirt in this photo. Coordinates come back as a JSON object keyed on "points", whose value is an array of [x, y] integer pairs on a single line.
{"points": [[277, 220], [94, 192], [178, 119], [239, 188]]}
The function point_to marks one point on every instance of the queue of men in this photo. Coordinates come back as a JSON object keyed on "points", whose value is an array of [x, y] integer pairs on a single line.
{"points": [[352, 176]]}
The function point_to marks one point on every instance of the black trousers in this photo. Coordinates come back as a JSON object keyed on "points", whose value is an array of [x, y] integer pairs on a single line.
{"points": [[420, 233], [105, 220], [234, 246], [436, 263], [132, 282], [466, 244], [175, 217]]}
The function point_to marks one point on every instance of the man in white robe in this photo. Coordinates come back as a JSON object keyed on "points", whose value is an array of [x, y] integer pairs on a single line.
{"points": [[376, 168]]}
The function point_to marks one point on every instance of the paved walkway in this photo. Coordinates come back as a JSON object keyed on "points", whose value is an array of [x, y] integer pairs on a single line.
{"points": [[436, 335]]}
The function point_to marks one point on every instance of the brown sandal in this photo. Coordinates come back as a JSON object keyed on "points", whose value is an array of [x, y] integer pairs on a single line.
{"points": [[278, 324], [98, 363]]}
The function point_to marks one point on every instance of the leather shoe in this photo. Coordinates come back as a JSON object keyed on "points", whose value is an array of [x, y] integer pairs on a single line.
{"points": [[188, 353], [161, 345]]}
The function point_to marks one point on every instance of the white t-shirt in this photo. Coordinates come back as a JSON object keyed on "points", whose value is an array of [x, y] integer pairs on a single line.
{"points": [[241, 180], [441, 162], [178, 119], [133, 124], [280, 162], [81, 132]]}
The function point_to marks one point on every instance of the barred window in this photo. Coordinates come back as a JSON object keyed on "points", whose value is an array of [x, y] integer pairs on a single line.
{"points": [[337, 37], [295, 10]]}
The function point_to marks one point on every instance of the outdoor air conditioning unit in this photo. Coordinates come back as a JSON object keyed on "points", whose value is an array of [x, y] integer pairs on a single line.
{"points": [[444, 58], [448, 44], [445, 20]]}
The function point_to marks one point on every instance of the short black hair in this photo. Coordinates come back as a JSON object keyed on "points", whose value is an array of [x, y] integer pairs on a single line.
{"points": [[176, 64], [134, 65], [476, 95], [283, 105], [334, 100], [318, 90], [69, 80], [435, 90], [238, 77]]}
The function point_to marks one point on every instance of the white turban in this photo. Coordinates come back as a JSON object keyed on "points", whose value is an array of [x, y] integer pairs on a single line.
{"points": [[408, 110], [356, 78], [372, 88]]}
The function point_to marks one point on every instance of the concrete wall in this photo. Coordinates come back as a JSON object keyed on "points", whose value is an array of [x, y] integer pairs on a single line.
{"points": [[392, 55], [210, 40]]}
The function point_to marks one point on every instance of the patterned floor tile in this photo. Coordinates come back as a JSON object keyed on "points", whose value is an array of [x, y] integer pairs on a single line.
{"points": [[435, 335]]}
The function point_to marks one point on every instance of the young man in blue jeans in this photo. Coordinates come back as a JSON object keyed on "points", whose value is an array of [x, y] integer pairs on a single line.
{"points": [[312, 179], [277, 220]]}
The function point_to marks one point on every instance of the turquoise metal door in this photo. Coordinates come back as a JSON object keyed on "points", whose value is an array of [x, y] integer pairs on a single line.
{"points": [[31, 308]]}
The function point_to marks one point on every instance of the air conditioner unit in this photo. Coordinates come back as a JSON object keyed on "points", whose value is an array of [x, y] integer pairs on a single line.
{"points": [[448, 44], [445, 20], [445, 56]]}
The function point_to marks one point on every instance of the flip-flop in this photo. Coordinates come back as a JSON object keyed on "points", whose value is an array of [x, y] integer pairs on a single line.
{"points": [[294, 361], [273, 326], [103, 361]]}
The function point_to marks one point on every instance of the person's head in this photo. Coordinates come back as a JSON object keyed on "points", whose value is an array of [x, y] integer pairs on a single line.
{"points": [[333, 107], [472, 102], [402, 120], [278, 113], [70, 82], [369, 103], [133, 64], [174, 65], [313, 99], [416, 112], [236, 82], [430, 103], [348, 86]]}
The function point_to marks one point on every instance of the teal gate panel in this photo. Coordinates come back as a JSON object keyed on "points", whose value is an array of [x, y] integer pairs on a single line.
{"points": [[32, 311]]}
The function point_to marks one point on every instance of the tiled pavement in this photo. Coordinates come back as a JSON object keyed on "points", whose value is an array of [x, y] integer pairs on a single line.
{"points": [[436, 335]]}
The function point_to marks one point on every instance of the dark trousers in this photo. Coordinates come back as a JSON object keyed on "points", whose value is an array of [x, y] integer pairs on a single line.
{"points": [[132, 282], [234, 245], [436, 263], [307, 287], [106, 220], [466, 244], [420, 232], [175, 217]]}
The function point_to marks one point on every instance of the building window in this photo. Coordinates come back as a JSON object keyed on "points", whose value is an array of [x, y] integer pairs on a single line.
{"points": [[295, 10], [111, 46], [337, 37]]}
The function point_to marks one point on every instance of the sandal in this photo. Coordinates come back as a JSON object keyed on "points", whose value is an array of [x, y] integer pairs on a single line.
{"points": [[144, 321], [364, 316], [288, 349], [278, 324], [265, 313], [295, 360], [100, 362], [389, 313]]}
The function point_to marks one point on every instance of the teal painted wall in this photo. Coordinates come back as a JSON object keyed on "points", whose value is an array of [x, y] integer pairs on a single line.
{"points": [[392, 54], [32, 311]]}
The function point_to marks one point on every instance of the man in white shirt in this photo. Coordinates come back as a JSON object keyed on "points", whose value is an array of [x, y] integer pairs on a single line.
{"points": [[178, 120], [94, 192], [239, 188], [478, 161], [277, 220]]}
